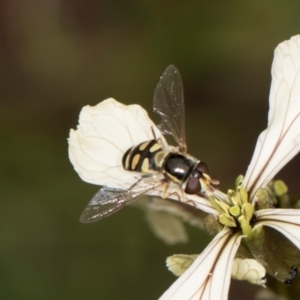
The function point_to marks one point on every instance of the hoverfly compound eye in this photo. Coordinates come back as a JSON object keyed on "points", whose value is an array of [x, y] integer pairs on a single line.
{"points": [[193, 185], [202, 167]]}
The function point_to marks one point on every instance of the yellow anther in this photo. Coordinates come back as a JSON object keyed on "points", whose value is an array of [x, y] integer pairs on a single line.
{"points": [[220, 206], [235, 211], [247, 211], [227, 220], [244, 195], [230, 193], [246, 228], [280, 188], [232, 196]]}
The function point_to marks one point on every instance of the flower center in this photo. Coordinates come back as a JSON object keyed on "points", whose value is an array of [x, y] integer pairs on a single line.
{"points": [[235, 211]]}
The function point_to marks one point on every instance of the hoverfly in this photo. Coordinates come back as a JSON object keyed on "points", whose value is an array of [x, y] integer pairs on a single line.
{"points": [[153, 167]]}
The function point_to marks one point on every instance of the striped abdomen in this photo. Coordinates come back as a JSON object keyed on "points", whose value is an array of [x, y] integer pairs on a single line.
{"points": [[141, 158]]}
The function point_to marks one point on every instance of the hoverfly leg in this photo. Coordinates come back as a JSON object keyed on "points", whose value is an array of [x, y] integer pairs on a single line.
{"points": [[165, 190], [153, 132], [165, 194], [191, 203], [176, 194]]}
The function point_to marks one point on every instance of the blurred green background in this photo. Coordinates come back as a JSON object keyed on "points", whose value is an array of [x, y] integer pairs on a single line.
{"points": [[59, 55]]}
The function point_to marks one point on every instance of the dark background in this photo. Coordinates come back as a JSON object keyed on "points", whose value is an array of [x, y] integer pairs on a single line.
{"points": [[59, 55]]}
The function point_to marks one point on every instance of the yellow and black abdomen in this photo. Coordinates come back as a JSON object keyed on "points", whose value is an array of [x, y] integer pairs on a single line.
{"points": [[141, 158]]}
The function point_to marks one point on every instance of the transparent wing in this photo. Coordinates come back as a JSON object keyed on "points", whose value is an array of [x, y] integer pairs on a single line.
{"points": [[280, 142], [110, 199], [168, 102]]}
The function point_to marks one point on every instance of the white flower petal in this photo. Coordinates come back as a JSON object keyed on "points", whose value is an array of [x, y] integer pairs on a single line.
{"points": [[280, 142], [286, 221], [276, 214], [105, 132], [208, 278], [221, 282]]}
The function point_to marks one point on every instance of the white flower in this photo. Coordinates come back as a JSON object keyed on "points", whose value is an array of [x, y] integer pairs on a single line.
{"points": [[108, 130], [208, 278], [105, 132]]}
